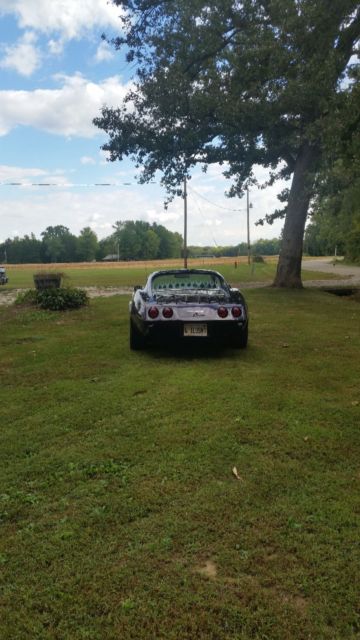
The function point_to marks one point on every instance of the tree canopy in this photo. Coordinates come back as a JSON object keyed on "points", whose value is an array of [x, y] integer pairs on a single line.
{"points": [[130, 240], [257, 82], [336, 207]]}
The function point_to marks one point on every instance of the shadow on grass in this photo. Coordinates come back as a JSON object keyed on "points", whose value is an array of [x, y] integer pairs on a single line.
{"points": [[197, 351]]}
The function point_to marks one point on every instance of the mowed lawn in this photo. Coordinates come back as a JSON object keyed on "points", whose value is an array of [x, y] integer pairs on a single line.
{"points": [[120, 515], [235, 270]]}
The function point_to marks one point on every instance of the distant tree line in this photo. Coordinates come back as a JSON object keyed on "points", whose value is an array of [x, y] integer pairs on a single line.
{"points": [[130, 240], [260, 247]]}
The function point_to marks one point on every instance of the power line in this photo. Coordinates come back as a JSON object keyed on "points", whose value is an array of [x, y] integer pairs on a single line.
{"points": [[210, 230], [68, 185], [215, 204]]}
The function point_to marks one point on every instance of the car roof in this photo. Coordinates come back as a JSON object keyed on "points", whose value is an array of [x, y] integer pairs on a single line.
{"points": [[184, 271]]}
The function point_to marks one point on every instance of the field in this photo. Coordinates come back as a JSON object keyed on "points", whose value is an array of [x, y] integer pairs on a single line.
{"points": [[118, 274], [120, 514]]}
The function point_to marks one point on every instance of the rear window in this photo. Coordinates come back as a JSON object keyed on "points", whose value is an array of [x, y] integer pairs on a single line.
{"points": [[194, 281]]}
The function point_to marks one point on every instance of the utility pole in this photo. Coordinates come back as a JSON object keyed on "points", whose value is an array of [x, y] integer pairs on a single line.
{"points": [[248, 224], [185, 224]]}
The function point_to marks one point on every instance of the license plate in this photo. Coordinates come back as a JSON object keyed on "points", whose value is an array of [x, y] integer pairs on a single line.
{"points": [[195, 330]]}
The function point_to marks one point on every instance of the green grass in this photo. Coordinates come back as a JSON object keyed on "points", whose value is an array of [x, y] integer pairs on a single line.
{"points": [[120, 516], [117, 277]]}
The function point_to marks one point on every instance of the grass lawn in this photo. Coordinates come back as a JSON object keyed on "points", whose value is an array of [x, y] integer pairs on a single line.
{"points": [[120, 516], [117, 276]]}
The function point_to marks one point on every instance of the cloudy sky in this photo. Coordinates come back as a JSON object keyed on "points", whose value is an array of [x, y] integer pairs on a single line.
{"points": [[55, 75]]}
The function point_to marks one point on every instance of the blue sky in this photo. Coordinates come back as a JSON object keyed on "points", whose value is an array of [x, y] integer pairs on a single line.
{"points": [[55, 75]]}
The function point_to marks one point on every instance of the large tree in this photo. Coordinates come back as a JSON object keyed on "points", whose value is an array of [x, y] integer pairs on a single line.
{"points": [[87, 245], [240, 83], [59, 245]]}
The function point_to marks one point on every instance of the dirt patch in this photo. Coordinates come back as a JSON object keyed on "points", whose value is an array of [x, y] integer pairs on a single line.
{"points": [[208, 570], [107, 292], [8, 297]]}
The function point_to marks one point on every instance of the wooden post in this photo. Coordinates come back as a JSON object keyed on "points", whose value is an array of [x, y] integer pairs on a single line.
{"points": [[248, 224], [185, 225]]}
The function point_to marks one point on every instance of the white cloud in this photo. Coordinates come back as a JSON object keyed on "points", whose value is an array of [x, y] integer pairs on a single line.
{"points": [[23, 57], [87, 160], [67, 111], [56, 46], [19, 174], [43, 207], [39, 207], [163, 216], [104, 52], [70, 18]]}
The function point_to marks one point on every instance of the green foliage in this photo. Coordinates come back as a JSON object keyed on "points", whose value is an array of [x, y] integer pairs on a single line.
{"points": [[59, 245], [270, 247], [21, 250], [87, 244], [27, 298], [131, 240], [53, 299], [241, 84], [353, 242], [257, 258], [336, 208], [244, 83], [62, 299], [138, 240]]}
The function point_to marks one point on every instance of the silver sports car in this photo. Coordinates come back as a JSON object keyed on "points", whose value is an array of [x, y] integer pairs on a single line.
{"points": [[187, 305]]}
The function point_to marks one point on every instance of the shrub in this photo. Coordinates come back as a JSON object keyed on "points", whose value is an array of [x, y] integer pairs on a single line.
{"points": [[54, 299], [26, 298]]}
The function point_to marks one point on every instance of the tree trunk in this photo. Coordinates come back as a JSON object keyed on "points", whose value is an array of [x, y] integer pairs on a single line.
{"points": [[289, 266]]}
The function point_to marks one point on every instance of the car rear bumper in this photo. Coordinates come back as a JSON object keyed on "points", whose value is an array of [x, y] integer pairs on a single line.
{"points": [[173, 331]]}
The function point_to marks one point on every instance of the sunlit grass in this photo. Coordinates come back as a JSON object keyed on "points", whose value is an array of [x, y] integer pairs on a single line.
{"points": [[120, 515], [235, 271]]}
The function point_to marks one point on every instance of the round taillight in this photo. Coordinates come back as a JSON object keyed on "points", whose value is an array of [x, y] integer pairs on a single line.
{"points": [[222, 312], [153, 312], [236, 311], [167, 312]]}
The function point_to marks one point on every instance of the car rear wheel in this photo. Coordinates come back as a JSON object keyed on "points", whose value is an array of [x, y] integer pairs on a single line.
{"points": [[241, 339], [137, 341]]}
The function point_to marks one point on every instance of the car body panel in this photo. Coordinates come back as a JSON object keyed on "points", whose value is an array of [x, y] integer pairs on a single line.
{"points": [[191, 298]]}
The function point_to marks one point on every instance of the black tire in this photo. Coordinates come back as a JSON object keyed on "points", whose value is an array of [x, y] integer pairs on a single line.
{"points": [[241, 339], [137, 341]]}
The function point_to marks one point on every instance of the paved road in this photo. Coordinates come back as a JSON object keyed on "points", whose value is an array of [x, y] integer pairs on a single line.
{"points": [[349, 275]]}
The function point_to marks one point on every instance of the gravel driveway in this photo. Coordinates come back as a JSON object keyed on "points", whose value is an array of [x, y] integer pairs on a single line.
{"points": [[349, 275]]}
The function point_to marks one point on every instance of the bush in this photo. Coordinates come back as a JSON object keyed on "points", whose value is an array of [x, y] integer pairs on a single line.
{"points": [[258, 258], [27, 298], [54, 299]]}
